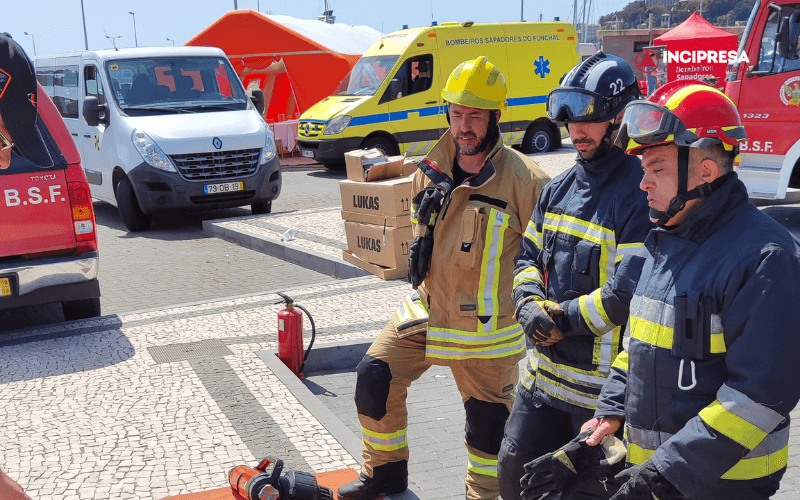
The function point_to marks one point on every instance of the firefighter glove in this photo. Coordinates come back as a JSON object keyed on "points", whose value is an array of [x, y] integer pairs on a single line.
{"points": [[427, 204], [562, 469], [419, 258], [645, 482], [536, 318]]}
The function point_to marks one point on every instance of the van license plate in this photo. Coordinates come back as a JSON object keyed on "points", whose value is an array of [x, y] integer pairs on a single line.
{"points": [[307, 154], [5, 287], [228, 187]]}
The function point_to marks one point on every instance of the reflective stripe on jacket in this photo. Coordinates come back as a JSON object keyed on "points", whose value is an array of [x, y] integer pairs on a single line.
{"points": [[709, 376], [477, 234], [586, 221]]}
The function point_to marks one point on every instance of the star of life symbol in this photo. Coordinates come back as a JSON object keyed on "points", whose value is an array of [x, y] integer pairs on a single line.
{"points": [[542, 66]]}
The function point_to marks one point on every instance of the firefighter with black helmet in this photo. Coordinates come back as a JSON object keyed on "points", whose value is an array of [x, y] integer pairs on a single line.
{"points": [[474, 196], [707, 381], [585, 224]]}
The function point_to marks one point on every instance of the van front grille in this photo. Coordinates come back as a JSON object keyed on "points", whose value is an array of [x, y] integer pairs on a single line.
{"points": [[217, 164]]}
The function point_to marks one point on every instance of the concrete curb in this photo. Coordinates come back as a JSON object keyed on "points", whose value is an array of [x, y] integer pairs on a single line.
{"points": [[343, 355], [316, 261]]}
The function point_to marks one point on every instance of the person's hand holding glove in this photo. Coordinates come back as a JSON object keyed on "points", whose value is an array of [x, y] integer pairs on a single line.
{"points": [[561, 469], [645, 482], [536, 318], [425, 208]]}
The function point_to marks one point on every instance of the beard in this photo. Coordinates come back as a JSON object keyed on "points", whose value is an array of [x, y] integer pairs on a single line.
{"points": [[589, 153], [467, 151]]}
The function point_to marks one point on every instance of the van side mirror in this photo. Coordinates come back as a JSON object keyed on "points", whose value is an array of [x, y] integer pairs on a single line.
{"points": [[95, 113], [257, 96]]}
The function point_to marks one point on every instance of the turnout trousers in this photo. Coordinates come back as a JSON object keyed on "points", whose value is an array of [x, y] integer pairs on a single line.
{"points": [[385, 373]]}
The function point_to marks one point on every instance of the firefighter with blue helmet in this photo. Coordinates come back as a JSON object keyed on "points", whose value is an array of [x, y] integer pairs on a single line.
{"points": [[705, 386], [473, 198], [585, 224]]}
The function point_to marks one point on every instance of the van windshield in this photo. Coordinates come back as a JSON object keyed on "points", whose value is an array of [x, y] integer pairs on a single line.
{"points": [[175, 84], [366, 76]]}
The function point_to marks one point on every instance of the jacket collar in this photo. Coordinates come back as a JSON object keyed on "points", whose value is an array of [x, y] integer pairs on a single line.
{"points": [[439, 161], [721, 206], [601, 168]]}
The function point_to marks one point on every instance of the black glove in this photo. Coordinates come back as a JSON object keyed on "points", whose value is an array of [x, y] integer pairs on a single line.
{"points": [[561, 469], [535, 316], [419, 258], [427, 204], [644, 482]]}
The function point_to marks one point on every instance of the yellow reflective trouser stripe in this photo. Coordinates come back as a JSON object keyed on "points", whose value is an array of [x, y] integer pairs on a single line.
{"points": [[528, 275], [489, 282], [621, 361], [753, 468], [385, 441], [732, 425], [564, 392], [474, 338], [494, 351], [594, 314], [484, 466], [533, 235]]}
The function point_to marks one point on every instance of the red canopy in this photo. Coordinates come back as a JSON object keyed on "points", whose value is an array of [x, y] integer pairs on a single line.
{"points": [[294, 71], [696, 49]]}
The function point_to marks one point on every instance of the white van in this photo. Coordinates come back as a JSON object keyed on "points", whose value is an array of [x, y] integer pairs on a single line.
{"points": [[164, 128]]}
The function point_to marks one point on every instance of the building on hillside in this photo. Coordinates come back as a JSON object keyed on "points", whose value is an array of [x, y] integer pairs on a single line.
{"points": [[665, 3], [587, 33]]}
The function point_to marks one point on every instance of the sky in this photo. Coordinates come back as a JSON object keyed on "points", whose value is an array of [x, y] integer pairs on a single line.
{"points": [[56, 25]]}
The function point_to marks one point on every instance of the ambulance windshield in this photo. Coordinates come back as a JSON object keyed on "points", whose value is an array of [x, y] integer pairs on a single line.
{"points": [[366, 76]]}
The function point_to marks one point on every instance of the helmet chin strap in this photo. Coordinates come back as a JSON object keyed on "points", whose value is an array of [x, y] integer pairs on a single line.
{"points": [[678, 203]]}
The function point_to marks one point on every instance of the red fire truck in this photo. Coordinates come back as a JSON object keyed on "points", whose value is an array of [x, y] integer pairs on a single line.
{"points": [[765, 85]]}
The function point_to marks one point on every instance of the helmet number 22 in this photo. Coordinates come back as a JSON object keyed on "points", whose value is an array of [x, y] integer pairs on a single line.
{"points": [[616, 87]]}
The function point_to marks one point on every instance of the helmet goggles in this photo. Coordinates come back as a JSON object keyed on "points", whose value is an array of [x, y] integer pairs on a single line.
{"points": [[646, 123], [575, 104]]}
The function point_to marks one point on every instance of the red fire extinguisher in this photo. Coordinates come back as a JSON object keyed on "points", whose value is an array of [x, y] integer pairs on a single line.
{"points": [[290, 335]]}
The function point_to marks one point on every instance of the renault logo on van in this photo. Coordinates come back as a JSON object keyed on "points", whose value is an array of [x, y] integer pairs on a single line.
{"points": [[217, 143], [307, 128]]}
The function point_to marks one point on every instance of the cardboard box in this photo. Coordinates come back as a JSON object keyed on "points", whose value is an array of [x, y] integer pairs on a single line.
{"points": [[370, 165], [383, 273], [391, 198], [385, 246], [376, 220]]}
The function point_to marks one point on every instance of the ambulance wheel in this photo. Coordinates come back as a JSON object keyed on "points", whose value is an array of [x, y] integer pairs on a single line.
{"points": [[264, 207], [132, 215], [80, 309], [385, 147], [538, 139]]}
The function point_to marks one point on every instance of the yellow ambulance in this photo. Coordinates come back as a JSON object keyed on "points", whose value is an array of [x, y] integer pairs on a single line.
{"points": [[391, 99]]}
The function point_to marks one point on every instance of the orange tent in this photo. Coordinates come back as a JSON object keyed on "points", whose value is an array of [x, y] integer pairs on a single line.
{"points": [[694, 50], [294, 71]]}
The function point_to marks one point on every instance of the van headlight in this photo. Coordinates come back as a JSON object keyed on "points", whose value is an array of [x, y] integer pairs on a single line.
{"points": [[151, 153], [338, 124], [268, 152]]}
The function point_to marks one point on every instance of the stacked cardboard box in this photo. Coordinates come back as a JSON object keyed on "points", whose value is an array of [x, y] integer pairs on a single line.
{"points": [[376, 208]]}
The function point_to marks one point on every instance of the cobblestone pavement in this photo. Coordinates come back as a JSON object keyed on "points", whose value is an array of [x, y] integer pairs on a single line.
{"points": [[160, 403]]}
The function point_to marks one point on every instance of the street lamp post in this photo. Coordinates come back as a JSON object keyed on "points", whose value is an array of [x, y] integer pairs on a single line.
{"points": [[32, 40], [171, 40], [135, 38], [85, 38]]}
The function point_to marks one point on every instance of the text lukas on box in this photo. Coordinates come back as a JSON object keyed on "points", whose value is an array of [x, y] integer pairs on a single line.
{"points": [[385, 246], [391, 198]]}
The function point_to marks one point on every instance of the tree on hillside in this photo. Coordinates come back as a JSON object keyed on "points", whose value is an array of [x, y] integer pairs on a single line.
{"points": [[718, 12]]}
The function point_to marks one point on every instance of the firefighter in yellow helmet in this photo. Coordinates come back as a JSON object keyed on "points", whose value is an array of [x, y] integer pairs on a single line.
{"points": [[473, 198]]}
